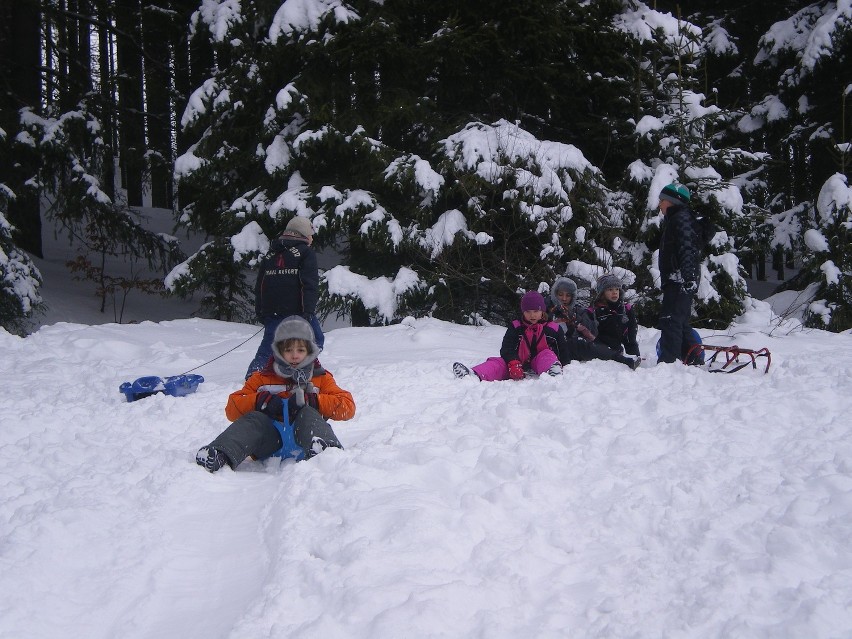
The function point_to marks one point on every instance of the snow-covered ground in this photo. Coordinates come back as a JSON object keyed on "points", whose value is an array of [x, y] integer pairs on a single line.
{"points": [[666, 502]]}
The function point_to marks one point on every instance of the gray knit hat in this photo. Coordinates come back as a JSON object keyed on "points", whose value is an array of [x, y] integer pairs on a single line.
{"points": [[563, 284], [300, 225], [606, 281], [294, 327]]}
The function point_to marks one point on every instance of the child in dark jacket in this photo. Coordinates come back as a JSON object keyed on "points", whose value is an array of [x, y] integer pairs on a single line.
{"points": [[579, 326], [292, 388], [617, 326], [287, 284], [531, 345]]}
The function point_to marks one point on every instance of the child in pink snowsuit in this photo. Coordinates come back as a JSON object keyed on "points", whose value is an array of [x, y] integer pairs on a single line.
{"points": [[531, 344]]}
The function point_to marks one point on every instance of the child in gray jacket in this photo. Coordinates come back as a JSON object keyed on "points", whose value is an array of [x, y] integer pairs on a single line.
{"points": [[580, 327]]}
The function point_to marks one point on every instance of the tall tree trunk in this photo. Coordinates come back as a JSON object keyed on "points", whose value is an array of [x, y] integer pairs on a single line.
{"points": [[63, 28], [158, 31], [193, 59], [20, 85], [80, 48], [131, 118], [106, 99]]}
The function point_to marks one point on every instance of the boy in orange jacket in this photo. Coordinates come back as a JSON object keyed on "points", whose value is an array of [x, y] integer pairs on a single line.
{"points": [[292, 387]]}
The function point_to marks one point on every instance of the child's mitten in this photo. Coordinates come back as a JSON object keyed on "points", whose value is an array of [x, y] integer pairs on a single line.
{"points": [[516, 371], [690, 287], [269, 404]]}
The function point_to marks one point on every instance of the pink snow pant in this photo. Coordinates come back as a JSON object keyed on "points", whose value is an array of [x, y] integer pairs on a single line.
{"points": [[495, 369]]}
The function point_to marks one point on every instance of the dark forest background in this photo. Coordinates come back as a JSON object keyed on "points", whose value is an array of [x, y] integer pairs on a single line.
{"points": [[227, 116]]}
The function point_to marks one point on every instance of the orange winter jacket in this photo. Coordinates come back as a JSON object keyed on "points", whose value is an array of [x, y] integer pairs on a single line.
{"points": [[334, 402]]}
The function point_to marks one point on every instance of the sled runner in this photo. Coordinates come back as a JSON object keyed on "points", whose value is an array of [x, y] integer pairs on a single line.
{"points": [[176, 385], [732, 357]]}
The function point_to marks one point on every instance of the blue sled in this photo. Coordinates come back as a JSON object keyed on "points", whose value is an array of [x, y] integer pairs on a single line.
{"points": [[289, 448], [177, 386]]}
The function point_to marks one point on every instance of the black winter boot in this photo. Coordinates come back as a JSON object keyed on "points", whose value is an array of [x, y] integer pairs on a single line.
{"points": [[210, 458], [460, 370]]}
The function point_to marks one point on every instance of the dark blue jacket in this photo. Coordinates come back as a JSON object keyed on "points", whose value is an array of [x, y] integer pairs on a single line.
{"points": [[617, 326], [288, 281], [680, 246]]}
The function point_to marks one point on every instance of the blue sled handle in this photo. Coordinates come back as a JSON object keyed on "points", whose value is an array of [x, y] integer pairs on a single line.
{"points": [[289, 447]]}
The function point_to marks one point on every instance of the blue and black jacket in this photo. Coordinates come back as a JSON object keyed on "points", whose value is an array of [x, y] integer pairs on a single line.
{"points": [[288, 281]]}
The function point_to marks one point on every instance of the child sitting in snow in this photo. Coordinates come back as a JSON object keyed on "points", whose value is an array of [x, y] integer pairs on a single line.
{"points": [[579, 327], [293, 382], [617, 326], [531, 344]]}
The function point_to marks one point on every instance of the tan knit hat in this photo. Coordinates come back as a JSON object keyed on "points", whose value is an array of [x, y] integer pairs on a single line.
{"points": [[300, 225]]}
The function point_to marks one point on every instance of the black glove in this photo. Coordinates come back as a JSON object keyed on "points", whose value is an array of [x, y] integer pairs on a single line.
{"points": [[269, 404], [690, 287]]}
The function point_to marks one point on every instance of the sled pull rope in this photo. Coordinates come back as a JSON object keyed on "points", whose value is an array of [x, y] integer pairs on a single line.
{"points": [[225, 353]]}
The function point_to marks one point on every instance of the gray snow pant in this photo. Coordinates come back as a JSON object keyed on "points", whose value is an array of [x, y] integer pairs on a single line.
{"points": [[251, 434], [584, 351]]}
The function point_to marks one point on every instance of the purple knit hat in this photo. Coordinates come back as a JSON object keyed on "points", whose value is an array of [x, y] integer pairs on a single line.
{"points": [[533, 301]]}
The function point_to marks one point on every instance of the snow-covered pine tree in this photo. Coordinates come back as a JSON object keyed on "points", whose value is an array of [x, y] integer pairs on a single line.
{"points": [[359, 117], [226, 174], [677, 141], [804, 59], [20, 280], [829, 253], [344, 113], [71, 157]]}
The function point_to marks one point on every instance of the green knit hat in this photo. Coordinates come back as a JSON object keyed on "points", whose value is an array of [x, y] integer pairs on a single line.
{"points": [[675, 193]]}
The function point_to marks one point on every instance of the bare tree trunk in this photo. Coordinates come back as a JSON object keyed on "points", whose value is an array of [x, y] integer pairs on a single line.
{"points": [[106, 75], [62, 24], [131, 109], [193, 59], [778, 262], [80, 49], [20, 85], [158, 31]]}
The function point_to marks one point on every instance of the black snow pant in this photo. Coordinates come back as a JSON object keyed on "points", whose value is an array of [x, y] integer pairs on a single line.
{"points": [[676, 335], [583, 351]]}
